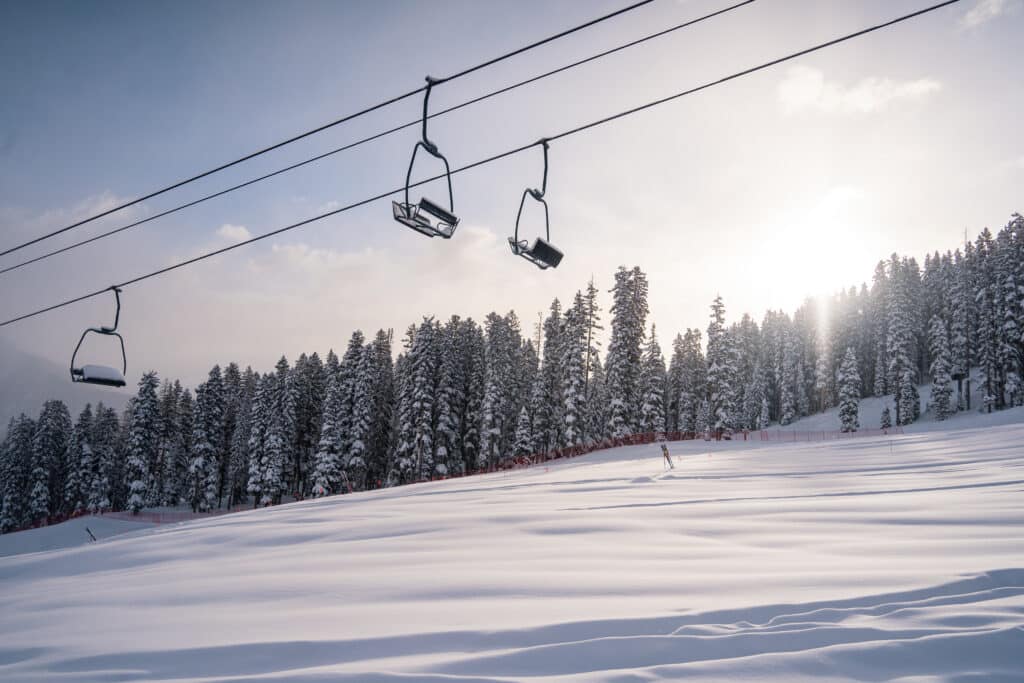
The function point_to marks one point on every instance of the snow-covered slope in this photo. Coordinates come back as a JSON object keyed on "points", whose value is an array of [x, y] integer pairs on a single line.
{"points": [[68, 534], [869, 559]]}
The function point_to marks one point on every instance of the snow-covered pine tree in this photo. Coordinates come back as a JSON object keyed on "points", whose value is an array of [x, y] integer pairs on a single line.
{"points": [[908, 399], [900, 344], [573, 365], [424, 357], [693, 382], [674, 385], [201, 456], [524, 434], [79, 463], [755, 401], [592, 315], [790, 380], [238, 467], [259, 425], [886, 421], [361, 424], [475, 349], [347, 370], [216, 430], [383, 409], [450, 400], [16, 456], [548, 408], [232, 399], [105, 457], [167, 483], [623, 364], [327, 463], [402, 464], [1009, 280], [942, 388], [823, 379], [280, 437], [597, 403], [653, 380], [143, 440], [849, 392], [720, 370], [49, 445]]}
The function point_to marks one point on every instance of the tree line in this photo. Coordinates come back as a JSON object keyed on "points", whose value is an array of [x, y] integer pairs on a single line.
{"points": [[463, 397]]}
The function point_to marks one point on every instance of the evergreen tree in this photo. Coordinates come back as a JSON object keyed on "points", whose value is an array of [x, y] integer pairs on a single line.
{"points": [[623, 365], [721, 371], [573, 364], [143, 440], [16, 464], [79, 463], [849, 392], [693, 382], [524, 434], [327, 468], [653, 380], [50, 445], [886, 422], [362, 421], [942, 389]]}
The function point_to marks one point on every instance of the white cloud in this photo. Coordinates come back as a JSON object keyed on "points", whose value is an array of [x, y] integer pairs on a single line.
{"points": [[234, 233], [806, 88], [983, 11]]}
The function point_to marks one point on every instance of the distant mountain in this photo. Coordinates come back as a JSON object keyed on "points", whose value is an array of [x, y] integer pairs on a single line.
{"points": [[26, 381]]}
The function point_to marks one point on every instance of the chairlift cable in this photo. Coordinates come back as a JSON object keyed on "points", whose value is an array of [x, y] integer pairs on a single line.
{"points": [[318, 129], [490, 159], [376, 136]]}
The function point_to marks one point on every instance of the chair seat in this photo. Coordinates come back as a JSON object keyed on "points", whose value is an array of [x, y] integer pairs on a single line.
{"points": [[101, 374], [542, 254], [426, 218]]}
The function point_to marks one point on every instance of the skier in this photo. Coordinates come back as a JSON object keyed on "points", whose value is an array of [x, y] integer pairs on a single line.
{"points": [[668, 458]]}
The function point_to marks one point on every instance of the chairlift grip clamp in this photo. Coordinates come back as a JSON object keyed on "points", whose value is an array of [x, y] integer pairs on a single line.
{"points": [[427, 144]]}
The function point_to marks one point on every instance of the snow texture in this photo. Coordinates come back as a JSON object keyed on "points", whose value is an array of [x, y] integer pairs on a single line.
{"points": [[865, 559], [102, 373]]}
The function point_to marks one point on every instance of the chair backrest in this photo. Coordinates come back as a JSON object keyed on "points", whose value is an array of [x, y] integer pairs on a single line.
{"points": [[546, 253]]}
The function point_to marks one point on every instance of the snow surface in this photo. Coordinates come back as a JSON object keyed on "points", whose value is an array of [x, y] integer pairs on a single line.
{"points": [[879, 558], [66, 534]]}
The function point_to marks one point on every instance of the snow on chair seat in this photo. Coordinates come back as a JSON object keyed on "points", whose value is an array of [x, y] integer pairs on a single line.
{"points": [[101, 374]]}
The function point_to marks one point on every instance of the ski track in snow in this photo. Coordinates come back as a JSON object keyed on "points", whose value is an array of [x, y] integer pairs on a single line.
{"points": [[875, 559]]}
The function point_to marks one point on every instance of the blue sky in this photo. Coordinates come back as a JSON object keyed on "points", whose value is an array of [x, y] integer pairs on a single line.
{"points": [[788, 183]]}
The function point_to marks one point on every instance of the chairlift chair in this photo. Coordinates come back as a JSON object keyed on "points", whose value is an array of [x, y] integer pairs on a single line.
{"points": [[542, 254], [102, 374], [427, 217]]}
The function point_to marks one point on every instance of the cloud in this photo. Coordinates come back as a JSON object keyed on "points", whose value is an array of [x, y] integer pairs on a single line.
{"points": [[805, 88], [983, 11], [234, 233]]}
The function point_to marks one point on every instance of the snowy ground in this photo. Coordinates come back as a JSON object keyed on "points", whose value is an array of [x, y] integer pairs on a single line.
{"points": [[871, 559], [66, 535]]}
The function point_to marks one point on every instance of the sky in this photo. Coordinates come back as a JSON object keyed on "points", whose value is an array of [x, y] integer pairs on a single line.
{"points": [[788, 183]]}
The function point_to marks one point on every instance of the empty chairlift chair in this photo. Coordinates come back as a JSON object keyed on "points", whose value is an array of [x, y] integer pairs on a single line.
{"points": [[102, 374], [427, 217], [542, 254]]}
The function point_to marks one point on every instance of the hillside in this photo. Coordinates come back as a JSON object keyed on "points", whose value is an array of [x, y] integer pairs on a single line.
{"points": [[866, 559]]}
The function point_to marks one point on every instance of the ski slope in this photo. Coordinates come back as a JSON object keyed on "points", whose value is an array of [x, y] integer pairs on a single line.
{"points": [[898, 558]]}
